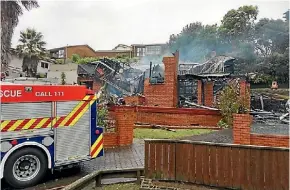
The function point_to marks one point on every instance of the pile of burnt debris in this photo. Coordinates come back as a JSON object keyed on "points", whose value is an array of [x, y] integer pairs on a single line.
{"points": [[267, 109], [268, 103]]}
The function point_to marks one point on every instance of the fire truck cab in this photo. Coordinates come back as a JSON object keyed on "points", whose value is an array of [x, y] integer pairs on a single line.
{"points": [[46, 128]]}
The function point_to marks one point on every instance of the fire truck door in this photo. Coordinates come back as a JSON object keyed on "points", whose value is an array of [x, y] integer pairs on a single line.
{"points": [[72, 136], [25, 116]]}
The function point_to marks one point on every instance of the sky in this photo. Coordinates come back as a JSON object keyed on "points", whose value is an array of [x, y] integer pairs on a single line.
{"points": [[105, 24]]}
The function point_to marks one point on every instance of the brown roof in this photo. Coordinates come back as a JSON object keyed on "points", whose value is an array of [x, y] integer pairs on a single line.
{"points": [[72, 46], [113, 51]]}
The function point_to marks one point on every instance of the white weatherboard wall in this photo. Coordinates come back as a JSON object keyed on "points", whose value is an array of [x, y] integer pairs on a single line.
{"points": [[16, 64], [41, 69], [70, 71]]}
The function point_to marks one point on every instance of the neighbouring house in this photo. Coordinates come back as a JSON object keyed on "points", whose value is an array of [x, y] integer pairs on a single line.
{"points": [[135, 50], [15, 67], [141, 50], [122, 47], [113, 53], [67, 51], [69, 69]]}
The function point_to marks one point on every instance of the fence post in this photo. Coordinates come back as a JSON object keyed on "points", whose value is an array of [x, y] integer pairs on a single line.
{"points": [[175, 161]]}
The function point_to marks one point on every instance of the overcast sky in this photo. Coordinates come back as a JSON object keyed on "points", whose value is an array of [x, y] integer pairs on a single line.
{"points": [[104, 24]]}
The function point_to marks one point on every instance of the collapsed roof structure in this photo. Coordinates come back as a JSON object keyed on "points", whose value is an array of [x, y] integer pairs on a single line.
{"points": [[120, 77], [124, 80]]}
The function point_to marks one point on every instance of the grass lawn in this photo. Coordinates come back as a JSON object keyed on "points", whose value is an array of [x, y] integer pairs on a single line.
{"points": [[124, 186], [163, 134]]}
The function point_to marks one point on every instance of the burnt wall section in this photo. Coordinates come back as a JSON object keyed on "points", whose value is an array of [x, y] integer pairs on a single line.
{"points": [[164, 94]]}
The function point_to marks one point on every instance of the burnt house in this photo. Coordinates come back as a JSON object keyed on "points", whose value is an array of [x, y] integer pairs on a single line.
{"points": [[116, 75]]}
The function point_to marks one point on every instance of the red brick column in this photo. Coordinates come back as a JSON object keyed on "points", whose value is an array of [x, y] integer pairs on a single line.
{"points": [[242, 128], [125, 119], [199, 92], [245, 92], [208, 94]]}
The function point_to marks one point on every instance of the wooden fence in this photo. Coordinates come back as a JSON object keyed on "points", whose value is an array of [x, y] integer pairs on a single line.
{"points": [[220, 165]]}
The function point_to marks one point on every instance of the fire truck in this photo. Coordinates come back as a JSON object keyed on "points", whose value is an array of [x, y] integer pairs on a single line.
{"points": [[46, 128]]}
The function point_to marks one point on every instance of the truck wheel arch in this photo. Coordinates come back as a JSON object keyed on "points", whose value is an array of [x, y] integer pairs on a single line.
{"points": [[22, 145]]}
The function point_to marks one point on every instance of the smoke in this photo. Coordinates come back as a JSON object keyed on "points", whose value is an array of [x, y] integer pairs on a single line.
{"points": [[157, 64]]}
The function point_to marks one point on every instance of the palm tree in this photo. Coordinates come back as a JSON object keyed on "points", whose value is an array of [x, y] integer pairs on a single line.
{"points": [[10, 12], [31, 48]]}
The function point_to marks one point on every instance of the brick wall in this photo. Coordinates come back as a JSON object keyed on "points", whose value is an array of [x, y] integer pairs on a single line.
{"points": [[242, 128], [270, 140], [96, 84], [125, 118], [242, 134], [245, 92], [177, 116], [164, 95], [199, 92], [82, 50], [111, 139], [134, 100], [208, 94]]}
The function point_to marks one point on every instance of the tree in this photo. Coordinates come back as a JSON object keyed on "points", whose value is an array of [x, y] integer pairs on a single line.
{"points": [[286, 15], [271, 43], [237, 24], [31, 48], [10, 12], [271, 36], [63, 77]]}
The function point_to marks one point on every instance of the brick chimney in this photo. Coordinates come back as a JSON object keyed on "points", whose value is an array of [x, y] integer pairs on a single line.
{"points": [[164, 95]]}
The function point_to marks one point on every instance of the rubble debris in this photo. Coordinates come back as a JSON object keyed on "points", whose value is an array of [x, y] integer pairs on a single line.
{"points": [[268, 103], [162, 127], [285, 117], [200, 106], [120, 77]]}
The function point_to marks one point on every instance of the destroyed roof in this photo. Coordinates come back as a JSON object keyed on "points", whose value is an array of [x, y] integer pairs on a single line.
{"points": [[204, 76], [213, 65], [86, 69]]}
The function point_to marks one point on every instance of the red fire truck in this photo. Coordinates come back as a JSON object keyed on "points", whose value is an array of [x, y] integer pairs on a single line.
{"points": [[46, 127]]}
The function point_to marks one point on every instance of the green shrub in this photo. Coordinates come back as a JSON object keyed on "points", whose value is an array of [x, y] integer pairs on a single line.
{"points": [[230, 103], [63, 77], [102, 116], [59, 61], [75, 58]]}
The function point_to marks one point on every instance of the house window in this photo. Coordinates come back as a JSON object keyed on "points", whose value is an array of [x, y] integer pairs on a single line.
{"points": [[61, 53], [44, 65], [153, 50], [140, 52]]}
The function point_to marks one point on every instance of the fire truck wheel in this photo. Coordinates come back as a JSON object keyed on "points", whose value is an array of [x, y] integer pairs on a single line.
{"points": [[25, 167]]}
